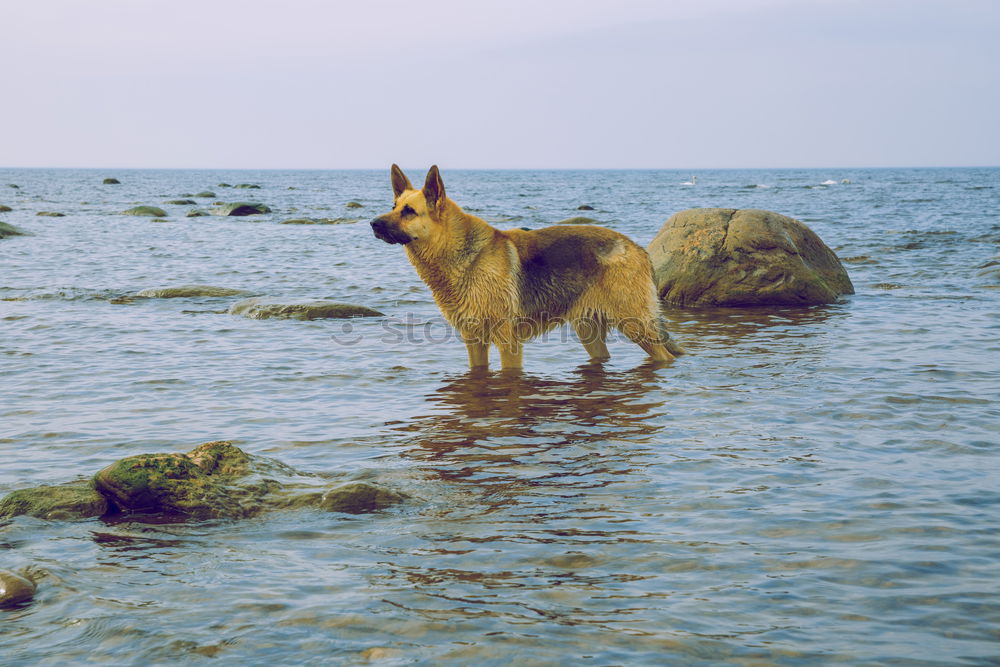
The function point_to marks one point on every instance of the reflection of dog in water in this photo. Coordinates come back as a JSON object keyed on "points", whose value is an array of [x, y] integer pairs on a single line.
{"points": [[506, 287]]}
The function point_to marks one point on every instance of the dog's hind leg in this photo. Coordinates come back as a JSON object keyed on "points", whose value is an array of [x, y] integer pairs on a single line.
{"points": [[511, 355], [592, 332], [646, 334]]}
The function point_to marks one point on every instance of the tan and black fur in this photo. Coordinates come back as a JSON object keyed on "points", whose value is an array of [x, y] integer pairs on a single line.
{"points": [[506, 287]]}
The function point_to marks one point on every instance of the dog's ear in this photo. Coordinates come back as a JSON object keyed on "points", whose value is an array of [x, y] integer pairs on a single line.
{"points": [[434, 187], [399, 181]]}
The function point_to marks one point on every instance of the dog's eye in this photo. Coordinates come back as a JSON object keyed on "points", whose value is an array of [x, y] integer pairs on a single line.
{"points": [[408, 211]]}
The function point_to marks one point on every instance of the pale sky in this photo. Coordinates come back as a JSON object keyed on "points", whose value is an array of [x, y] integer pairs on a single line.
{"points": [[315, 84]]}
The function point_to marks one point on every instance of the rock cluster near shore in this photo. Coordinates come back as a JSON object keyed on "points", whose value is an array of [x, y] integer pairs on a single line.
{"points": [[214, 480], [749, 257]]}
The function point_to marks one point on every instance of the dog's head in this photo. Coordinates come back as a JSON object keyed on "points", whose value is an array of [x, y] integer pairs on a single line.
{"points": [[416, 215]]}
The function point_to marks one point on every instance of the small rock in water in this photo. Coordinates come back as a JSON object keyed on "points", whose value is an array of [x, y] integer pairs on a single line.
{"points": [[149, 211], [5, 209], [579, 220], [181, 202], [12, 185], [585, 207], [354, 204], [112, 181], [195, 214], [10, 230], [248, 186], [240, 209], [51, 214], [206, 193], [262, 309], [224, 185], [319, 221], [15, 589], [359, 497], [187, 291]]}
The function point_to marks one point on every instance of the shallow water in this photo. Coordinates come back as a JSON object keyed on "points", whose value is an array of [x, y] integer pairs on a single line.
{"points": [[815, 484]]}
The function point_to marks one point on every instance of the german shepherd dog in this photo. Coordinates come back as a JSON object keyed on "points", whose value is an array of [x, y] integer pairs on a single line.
{"points": [[506, 287]]}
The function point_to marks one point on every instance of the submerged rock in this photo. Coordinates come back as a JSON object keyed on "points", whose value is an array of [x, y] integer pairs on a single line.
{"points": [[319, 221], [354, 204], [224, 185], [181, 202], [5, 209], [248, 186], [10, 230], [74, 500], [585, 207], [358, 498], [730, 257], [15, 588], [262, 309], [111, 181], [51, 214], [186, 291], [578, 220], [207, 193], [14, 186], [150, 211], [240, 209], [195, 214]]}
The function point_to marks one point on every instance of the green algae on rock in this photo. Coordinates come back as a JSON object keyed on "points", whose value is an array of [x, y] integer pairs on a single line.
{"points": [[111, 181], [51, 214], [15, 588], [74, 500], [240, 208], [749, 257], [262, 309], [150, 211]]}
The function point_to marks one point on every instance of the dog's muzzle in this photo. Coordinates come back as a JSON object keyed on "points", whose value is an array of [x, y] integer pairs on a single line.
{"points": [[389, 232]]}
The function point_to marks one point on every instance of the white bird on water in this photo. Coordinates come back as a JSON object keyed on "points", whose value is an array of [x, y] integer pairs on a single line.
{"points": [[693, 181]]}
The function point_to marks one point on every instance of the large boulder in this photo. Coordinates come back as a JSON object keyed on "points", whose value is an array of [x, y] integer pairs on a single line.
{"points": [[75, 500], [748, 257], [15, 588], [262, 309], [241, 208]]}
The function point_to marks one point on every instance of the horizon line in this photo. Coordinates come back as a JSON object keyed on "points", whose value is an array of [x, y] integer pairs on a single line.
{"points": [[681, 169]]}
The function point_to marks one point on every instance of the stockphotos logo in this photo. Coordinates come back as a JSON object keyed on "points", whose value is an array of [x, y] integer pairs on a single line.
{"points": [[416, 330]]}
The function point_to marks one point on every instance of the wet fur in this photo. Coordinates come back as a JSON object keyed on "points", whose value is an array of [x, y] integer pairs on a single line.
{"points": [[505, 287]]}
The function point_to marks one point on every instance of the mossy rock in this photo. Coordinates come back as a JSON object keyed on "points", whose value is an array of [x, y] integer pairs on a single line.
{"points": [[51, 214], [211, 481], [749, 257], [585, 207], [358, 498], [181, 202], [240, 208], [15, 589], [112, 181], [262, 309], [149, 211], [195, 214], [75, 500], [5, 209], [354, 204], [248, 186], [10, 230], [578, 220], [207, 194], [188, 291]]}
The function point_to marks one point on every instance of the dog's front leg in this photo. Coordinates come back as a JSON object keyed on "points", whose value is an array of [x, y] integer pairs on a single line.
{"points": [[479, 354], [511, 355]]}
